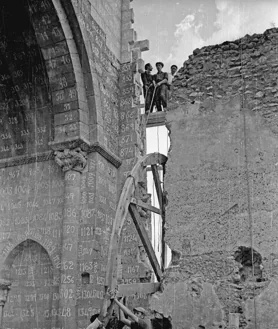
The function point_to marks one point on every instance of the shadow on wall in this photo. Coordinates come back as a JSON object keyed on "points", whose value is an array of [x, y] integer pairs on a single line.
{"points": [[250, 265]]}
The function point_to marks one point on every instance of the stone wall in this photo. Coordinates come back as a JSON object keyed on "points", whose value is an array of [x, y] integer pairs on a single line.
{"points": [[71, 132], [222, 181]]}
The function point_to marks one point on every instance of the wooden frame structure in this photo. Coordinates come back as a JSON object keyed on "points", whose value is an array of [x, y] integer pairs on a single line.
{"points": [[129, 204], [156, 119]]}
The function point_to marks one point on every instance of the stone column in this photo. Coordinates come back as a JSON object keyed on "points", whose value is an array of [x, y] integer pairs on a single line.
{"points": [[72, 163], [4, 289]]}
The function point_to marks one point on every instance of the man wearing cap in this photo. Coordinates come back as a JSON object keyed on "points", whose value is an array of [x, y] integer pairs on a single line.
{"points": [[137, 317], [160, 82], [148, 88], [171, 75]]}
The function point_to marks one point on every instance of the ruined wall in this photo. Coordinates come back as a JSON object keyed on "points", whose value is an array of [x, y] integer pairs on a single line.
{"points": [[70, 132], [221, 181]]}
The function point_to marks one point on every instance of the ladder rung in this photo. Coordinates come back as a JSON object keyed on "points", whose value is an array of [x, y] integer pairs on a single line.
{"points": [[145, 205]]}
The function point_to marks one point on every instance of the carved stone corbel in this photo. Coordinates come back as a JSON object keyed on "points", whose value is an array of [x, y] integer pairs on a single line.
{"points": [[71, 159]]}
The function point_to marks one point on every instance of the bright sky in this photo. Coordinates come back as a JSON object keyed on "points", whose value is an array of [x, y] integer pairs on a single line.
{"points": [[176, 27]]}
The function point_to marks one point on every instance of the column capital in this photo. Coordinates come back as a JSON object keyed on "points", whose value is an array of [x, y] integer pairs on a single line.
{"points": [[71, 159]]}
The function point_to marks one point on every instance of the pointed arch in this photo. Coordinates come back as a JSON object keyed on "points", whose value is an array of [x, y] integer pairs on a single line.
{"points": [[33, 292], [17, 249]]}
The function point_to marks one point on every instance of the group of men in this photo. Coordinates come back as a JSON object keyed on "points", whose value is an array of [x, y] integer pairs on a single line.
{"points": [[135, 320], [156, 87]]}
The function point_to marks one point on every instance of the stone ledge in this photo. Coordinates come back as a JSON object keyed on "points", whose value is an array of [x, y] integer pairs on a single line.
{"points": [[108, 155], [26, 159], [49, 155]]}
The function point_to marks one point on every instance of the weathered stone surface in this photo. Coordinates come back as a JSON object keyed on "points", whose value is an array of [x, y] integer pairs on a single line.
{"points": [[66, 126], [263, 308], [222, 180], [189, 304]]}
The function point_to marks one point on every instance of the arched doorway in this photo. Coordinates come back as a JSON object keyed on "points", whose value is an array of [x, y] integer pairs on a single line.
{"points": [[33, 293]]}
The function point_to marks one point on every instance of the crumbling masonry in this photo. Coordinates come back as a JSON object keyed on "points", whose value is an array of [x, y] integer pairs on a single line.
{"points": [[221, 181]]}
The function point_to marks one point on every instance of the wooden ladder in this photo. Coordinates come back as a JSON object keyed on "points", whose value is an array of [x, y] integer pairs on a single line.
{"points": [[129, 204]]}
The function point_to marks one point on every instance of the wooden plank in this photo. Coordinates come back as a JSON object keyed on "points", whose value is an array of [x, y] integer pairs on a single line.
{"points": [[156, 119], [145, 206], [157, 184], [145, 240], [140, 288]]}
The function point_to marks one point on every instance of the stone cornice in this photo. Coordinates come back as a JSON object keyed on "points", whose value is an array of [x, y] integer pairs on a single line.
{"points": [[49, 155], [107, 154], [25, 159], [95, 147]]}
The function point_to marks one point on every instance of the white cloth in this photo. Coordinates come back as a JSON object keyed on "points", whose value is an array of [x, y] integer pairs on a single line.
{"points": [[94, 325], [170, 78]]}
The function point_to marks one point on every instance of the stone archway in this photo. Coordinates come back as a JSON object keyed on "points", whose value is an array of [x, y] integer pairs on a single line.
{"points": [[42, 88], [34, 294]]}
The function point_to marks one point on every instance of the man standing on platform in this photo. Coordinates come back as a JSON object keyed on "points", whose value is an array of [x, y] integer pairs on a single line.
{"points": [[161, 87], [148, 88], [171, 75]]}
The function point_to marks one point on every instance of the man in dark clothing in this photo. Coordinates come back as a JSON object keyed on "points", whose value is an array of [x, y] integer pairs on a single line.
{"points": [[160, 79], [161, 322], [148, 88], [137, 316], [113, 323]]}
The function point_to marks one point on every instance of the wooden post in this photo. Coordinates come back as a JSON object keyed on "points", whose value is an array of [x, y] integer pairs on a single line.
{"points": [[145, 240]]}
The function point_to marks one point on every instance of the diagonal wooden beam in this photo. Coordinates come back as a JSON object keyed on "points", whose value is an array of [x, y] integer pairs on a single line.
{"points": [[158, 188], [145, 240], [145, 205]]}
